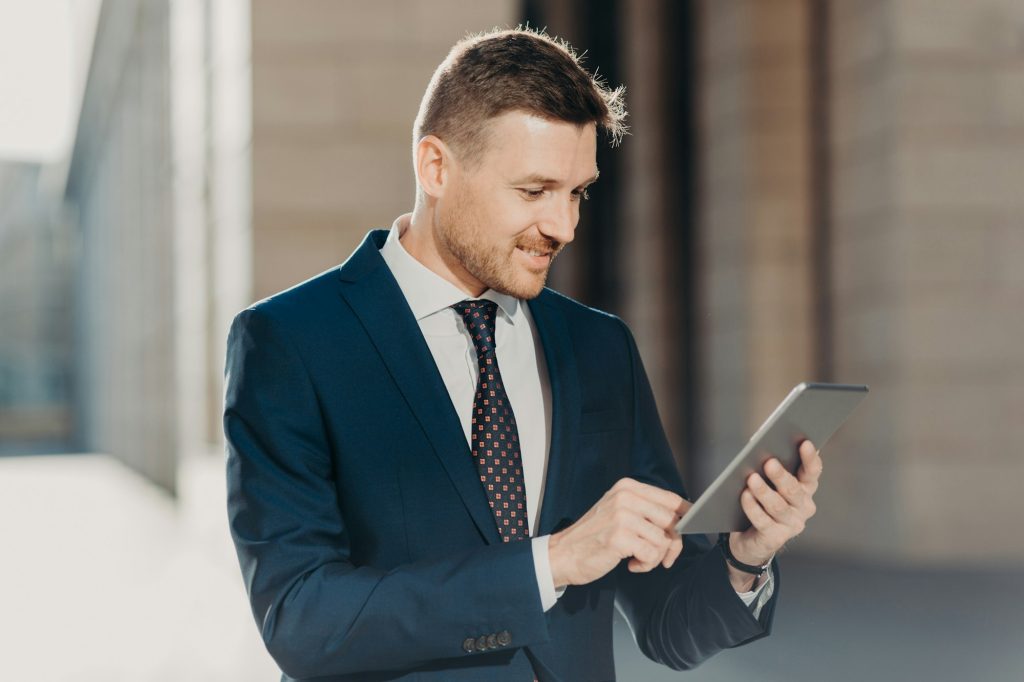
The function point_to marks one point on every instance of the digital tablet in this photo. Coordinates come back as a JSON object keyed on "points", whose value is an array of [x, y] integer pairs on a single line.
{"points": [[810, 411]]}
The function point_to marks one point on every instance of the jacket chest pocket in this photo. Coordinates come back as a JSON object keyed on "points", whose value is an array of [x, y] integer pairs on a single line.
{"points": [[603, 420]]}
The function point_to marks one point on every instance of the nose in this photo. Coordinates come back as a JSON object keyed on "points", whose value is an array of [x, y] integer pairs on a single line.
{"points": [[560, 222]]}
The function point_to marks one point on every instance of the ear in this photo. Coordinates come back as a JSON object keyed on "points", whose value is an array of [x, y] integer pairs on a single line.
{"points": [[433, 165]]}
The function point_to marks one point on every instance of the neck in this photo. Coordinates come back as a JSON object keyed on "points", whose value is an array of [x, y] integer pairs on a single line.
{"points": [[416, 233]]}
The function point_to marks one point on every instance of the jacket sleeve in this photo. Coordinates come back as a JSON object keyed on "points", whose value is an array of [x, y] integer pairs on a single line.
{"points": [[318, 612], [683, 615]]}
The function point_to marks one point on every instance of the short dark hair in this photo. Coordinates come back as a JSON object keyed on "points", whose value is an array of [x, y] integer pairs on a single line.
{"points": [[523, 69]]}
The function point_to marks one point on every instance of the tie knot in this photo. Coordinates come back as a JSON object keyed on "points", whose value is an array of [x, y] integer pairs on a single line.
{"points": [[479, 316]]}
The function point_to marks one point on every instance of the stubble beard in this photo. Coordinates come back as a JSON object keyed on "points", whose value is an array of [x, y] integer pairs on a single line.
{"points": [[459, 232]]}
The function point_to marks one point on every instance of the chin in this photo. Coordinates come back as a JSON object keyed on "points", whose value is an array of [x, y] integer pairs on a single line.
{"points": [[526, 287], [532, 293]]}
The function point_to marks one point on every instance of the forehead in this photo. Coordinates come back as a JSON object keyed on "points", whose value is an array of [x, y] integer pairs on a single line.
{"points": [[519, 143]]}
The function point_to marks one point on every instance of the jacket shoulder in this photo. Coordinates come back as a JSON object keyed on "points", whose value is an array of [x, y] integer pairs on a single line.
{"points": [[300, 302], [581, 314]]}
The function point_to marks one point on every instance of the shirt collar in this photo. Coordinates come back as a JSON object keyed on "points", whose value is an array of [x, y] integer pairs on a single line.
{"points": [[425, 290]]}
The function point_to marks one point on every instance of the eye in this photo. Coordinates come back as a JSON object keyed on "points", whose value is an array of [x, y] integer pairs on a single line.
{"points": [[580, 194], [532, 193]]}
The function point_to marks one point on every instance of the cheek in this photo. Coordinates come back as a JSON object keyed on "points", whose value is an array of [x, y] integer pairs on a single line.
{"points": [[510, 220]]}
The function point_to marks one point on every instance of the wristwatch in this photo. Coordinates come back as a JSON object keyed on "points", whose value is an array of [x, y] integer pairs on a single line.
{"points": [[723, 542]]}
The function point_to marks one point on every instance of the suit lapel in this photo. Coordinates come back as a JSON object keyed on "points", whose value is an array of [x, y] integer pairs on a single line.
{"points": [[373, 294], [565, 410]]}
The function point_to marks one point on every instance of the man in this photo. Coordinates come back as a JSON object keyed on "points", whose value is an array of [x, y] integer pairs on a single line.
{"points": [[438, 469]]}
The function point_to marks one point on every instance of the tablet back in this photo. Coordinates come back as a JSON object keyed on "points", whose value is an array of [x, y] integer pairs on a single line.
{"points": [[811, 411]]}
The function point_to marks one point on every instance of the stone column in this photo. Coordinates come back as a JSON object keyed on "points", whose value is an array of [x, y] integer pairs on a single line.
{"points": [[645, 188], [756, 315]]}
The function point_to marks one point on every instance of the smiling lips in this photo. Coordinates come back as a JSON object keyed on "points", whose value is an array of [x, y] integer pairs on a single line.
{"points": [[539, 258], [539, 251]]}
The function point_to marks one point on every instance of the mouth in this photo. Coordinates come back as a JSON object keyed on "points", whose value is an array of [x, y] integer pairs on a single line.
{"points": [[538, 258]]}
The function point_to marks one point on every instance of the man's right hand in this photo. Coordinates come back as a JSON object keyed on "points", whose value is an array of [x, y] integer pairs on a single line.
{"points": [[633, 520]]}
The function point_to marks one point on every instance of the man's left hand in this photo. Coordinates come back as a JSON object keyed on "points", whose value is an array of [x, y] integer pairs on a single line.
{"points": [[776, 516]]}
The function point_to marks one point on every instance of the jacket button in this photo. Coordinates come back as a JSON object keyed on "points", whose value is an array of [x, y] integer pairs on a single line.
{"points": [[492, 641], [469, 645], [504, 638], [481, 643]]}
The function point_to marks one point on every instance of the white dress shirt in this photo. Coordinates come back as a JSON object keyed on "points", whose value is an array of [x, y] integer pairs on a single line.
{"points": [[523, 370]]}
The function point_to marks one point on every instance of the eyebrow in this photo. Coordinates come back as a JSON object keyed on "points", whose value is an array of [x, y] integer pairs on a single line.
{"points": [[537, 179]]}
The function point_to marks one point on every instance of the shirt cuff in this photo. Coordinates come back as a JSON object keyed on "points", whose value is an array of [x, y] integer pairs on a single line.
{"points": [[752, 598], [542, 567]]}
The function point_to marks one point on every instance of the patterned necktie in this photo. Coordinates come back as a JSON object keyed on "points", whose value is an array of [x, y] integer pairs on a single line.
{"points": [[495, 438]]}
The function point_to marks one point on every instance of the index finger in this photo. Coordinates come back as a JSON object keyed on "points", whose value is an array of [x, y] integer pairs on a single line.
{"points": [[811, 465], [656, 495]]}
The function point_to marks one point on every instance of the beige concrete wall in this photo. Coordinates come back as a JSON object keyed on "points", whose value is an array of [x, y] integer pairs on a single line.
{"points": [[860, 509], [929, 134]]}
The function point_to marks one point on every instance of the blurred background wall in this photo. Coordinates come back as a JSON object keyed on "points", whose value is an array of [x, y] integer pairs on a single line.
{"points": [[821, 190], [811, 190]]}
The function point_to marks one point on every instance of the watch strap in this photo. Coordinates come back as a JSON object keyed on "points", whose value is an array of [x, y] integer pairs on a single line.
{"points": [[723, 542]]}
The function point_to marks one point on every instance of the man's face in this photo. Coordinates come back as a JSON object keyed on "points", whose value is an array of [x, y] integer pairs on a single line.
{"points": [[503, 219]]}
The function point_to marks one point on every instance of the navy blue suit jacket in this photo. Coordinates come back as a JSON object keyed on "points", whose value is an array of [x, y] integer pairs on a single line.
{"points": [[365, 539]]}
